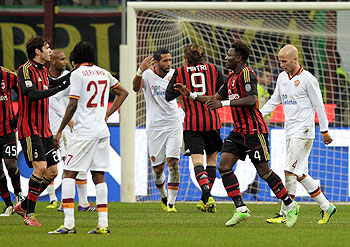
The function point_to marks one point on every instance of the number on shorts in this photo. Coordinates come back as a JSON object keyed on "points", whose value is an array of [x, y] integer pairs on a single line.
{"points": [[69, 158], [11, 151], [257, 155], [90, 103], [55, 157], [201, 85]]}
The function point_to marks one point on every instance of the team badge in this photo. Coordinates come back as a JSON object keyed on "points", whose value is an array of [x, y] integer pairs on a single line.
{"points": [[28, 83], [296, 83], [3, 85], [248, 87], [169, 78], [36, 154], [153, 158]]}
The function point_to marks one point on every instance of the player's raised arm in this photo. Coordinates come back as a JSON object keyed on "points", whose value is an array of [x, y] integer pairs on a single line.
{"points": [[138, 82]]}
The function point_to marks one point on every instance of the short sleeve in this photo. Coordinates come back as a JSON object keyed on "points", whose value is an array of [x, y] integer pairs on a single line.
{"points": [[250, 82]]}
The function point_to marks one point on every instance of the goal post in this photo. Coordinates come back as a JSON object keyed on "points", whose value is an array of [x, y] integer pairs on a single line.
{"points": [[320, 31]]}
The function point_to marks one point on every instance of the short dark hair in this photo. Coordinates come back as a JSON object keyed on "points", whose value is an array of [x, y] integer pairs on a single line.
{"points": [[242, 49], [33, 44], [194, 54], [84, 52], [158, 54]]}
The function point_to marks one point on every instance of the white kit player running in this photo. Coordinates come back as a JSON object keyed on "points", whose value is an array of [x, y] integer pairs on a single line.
{"points": [[89, 147], [163, 124], [298, 91], [57, 107]]}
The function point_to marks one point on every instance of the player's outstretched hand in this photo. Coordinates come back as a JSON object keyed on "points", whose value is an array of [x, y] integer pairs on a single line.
{"points": [[327, 139], [146, 63], [56, 140], [213, 104], [182, 89]]}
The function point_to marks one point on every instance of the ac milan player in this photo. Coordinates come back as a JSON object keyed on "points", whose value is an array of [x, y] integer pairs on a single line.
{"points": [[33, 123], [8, 143], [201, 127]]}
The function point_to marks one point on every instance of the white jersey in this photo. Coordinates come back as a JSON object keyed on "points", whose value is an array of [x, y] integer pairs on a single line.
{"points": [[91, 85], [300, 96], [57, 107], [160, 114]]}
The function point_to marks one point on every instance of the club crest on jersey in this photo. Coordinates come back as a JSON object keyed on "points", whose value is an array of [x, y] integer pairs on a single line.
{"points": [[153, 159], [296, 83], [28, 83], [3, 85], [36, 154], [169, 78]]}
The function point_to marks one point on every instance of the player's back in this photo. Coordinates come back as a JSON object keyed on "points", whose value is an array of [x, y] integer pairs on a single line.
{"points": [[91, 85], [204, 79]]}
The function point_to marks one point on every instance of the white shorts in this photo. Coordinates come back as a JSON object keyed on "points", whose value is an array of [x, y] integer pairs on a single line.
{"points": [[164, 144], [298, 151], [88, 154]]}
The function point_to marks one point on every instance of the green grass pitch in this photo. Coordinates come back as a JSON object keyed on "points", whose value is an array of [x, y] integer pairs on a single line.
{"points": [[145, 224]]}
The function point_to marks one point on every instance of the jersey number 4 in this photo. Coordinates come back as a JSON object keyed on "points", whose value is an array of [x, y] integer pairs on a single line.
{"points": [[95, 87]]}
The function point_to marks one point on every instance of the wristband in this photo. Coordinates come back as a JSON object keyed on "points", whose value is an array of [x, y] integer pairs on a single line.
{"points": [[139, 72], [225, 103], [193, 96], [324, 133]]}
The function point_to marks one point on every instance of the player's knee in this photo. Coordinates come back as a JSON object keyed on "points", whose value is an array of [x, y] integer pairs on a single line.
{"points": [[11, 166], [158, 169]]}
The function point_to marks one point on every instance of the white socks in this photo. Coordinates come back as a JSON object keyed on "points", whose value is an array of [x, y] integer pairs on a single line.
{"points": [[51, 191], [101, 203], [82, 192], [159, 180], [68, 194], [315, 192], [173, 184]]}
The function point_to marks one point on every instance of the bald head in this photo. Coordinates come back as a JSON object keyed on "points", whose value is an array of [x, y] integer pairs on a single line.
{"points": [[288, 58], [290, 51], [58, 62]]}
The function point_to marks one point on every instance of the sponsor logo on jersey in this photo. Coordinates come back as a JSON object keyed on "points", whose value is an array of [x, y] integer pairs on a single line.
{"points": [[28, 83], [157, 91], [296, 83], [3, 97], [286, 101], [233, 96]]}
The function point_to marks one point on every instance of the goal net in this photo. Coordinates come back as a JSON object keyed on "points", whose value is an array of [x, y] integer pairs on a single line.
{"points": [[322, 38]]}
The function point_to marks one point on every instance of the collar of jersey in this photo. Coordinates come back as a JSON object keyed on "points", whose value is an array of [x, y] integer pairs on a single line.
{"points": [[297, 73]]}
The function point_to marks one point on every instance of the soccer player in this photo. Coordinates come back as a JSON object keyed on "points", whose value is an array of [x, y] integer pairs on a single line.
{"points": [[163, 124], [33, 124], [249, 136], [57, 106], [299, 92], [89, 147], [201, 127], [8, 143]]}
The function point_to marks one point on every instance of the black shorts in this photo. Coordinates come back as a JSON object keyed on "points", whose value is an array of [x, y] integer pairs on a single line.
{"points": [[256, 146], [198, 141], [36, 148], [8, 146]]}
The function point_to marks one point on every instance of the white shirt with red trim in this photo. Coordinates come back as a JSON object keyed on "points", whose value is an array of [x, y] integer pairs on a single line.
{"points": [[300, 96], [91, 85], [160, 114]]}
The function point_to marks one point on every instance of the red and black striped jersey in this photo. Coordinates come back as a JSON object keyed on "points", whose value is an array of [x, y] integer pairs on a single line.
{"points": [[33, 114], [247, 120], [204, 79], [8, 80]]}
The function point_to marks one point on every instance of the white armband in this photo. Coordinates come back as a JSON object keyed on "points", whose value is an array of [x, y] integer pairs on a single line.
{"points": [[193, 96], [139, 72], [225, 103]]}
